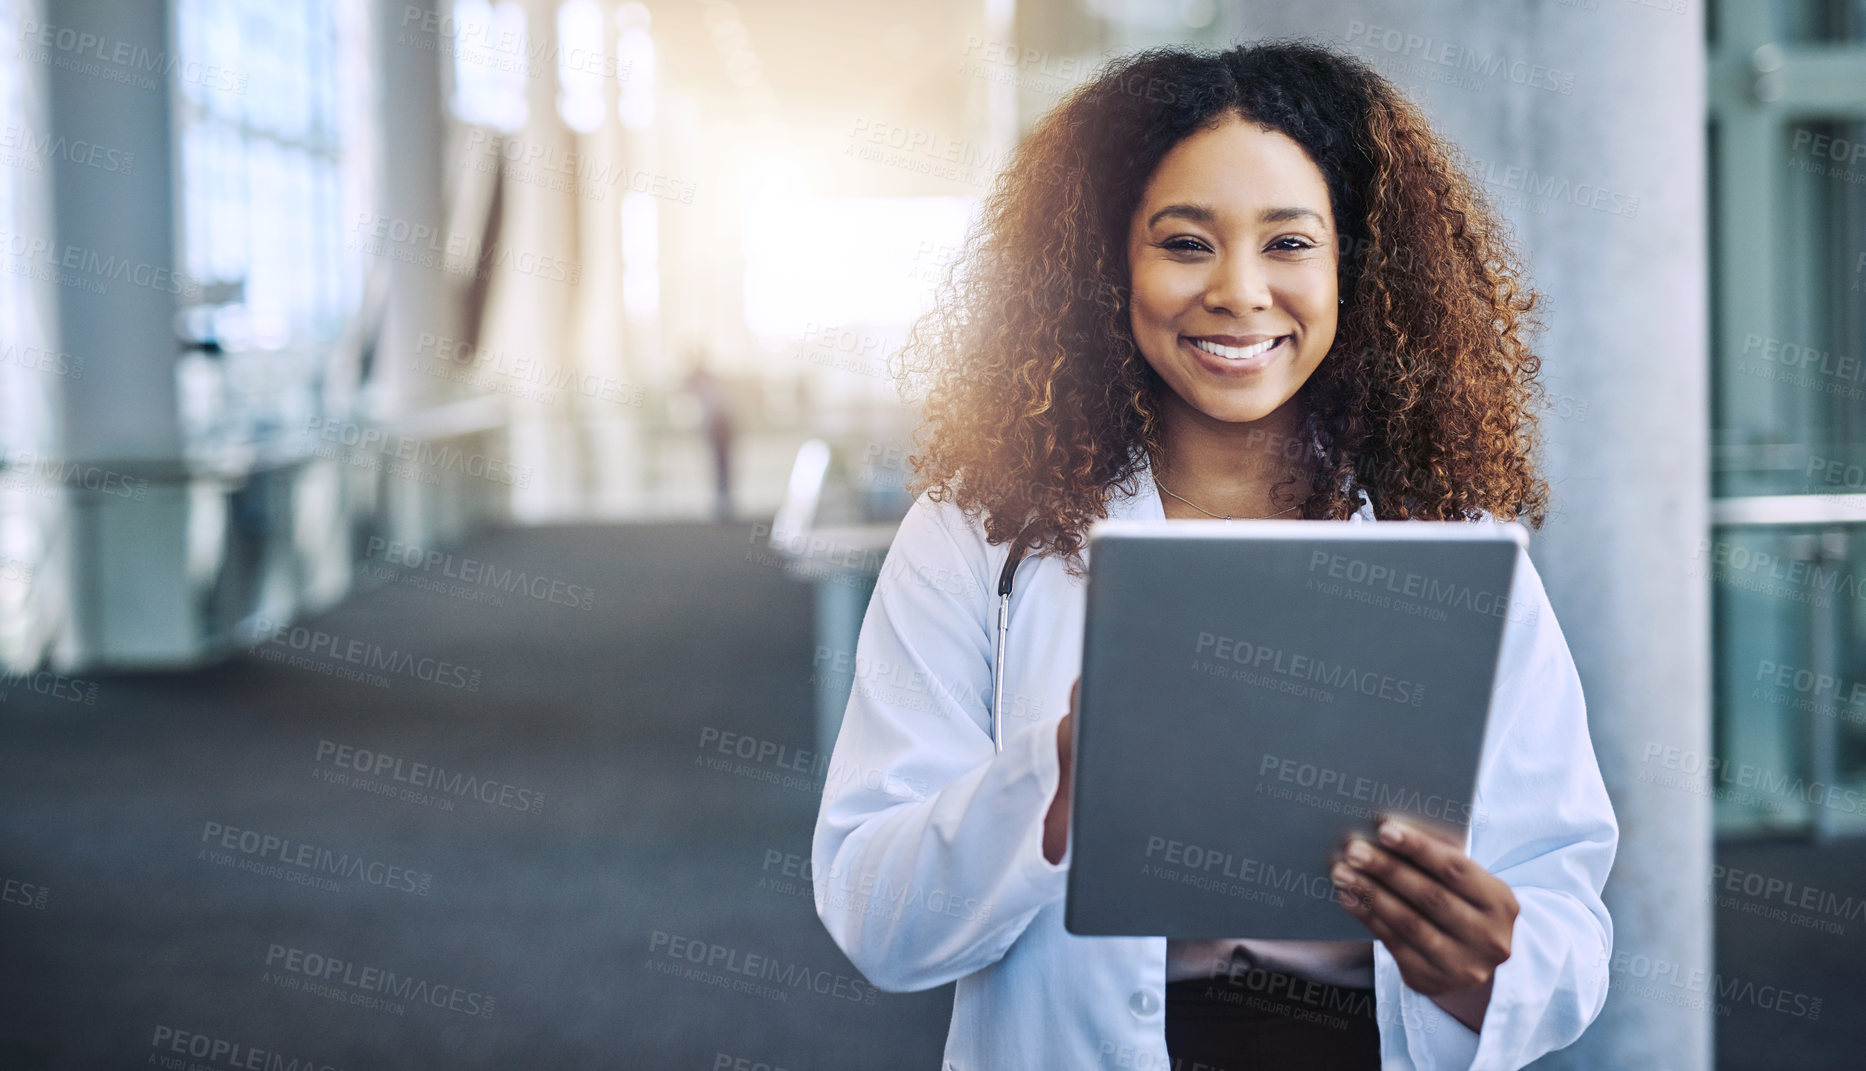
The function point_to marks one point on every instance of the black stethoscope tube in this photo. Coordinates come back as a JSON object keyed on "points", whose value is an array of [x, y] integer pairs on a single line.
{"points": [[1005, 579]]}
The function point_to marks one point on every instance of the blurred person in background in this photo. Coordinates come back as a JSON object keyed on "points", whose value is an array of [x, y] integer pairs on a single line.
{"points": [[716, 422]]}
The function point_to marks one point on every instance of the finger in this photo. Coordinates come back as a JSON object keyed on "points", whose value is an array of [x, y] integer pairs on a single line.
{"points": [[1407, 926], [1448, 911], [1444, 860], [1419, 972]]}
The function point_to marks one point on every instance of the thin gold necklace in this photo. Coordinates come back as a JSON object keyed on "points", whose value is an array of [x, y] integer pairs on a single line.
{"points": [[1209, 513]]}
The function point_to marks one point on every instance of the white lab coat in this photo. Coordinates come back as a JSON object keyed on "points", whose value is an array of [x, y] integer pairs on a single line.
{"points": [[927, 856]]}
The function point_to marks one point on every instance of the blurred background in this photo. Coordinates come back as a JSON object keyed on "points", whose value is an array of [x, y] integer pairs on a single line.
{"points": [[446, 447]]}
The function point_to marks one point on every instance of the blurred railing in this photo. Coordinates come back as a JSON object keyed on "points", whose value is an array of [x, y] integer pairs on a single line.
{"points": [[137, 565]]}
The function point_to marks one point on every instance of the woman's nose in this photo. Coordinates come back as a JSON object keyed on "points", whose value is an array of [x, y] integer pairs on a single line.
{"points": [[1237, 284]]}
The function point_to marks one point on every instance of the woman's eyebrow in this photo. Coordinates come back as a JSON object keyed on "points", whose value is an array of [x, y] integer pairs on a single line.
{"points": [[1193, 213], [1203, 214], [1284, 215]]}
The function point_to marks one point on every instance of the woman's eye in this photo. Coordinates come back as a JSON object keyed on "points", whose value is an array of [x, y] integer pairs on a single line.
{"points": [[1290, 244], [1184, 245]]}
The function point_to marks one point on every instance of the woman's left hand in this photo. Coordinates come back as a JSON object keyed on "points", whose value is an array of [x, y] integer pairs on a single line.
{"points": [[1446, 921]]}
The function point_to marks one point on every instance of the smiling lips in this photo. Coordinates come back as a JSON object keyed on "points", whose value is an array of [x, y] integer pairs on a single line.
{"points": [[1235, 348]]}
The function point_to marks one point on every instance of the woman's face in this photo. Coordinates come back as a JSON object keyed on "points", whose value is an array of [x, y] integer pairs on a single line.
{"points": [[1232, 248]]}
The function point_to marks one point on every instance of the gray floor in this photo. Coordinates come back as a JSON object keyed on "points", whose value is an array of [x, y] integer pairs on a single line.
{"points": [[552, 914], [132, 933], [1790, 986]]}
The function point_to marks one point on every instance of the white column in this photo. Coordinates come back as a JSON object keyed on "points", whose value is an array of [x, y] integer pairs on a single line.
{"points": [[122, 409], [412, 41]]}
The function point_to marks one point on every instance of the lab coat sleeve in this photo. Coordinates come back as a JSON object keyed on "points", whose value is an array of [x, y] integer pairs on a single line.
{"points": [[927, 859], [1543, 823]]}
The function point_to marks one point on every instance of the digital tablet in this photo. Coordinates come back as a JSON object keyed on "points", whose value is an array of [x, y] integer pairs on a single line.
{"points": [[1252, 691]]}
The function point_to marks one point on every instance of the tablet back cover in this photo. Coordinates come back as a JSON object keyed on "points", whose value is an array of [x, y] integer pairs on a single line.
{"points": [[1246, 702]]}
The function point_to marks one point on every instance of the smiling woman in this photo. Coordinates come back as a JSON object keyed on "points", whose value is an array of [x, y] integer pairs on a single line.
{"points": [[1250, 284], [1280, 190]]}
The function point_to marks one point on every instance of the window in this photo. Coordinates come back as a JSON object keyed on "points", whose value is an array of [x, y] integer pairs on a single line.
{"points": [[261, 169], [580, 65], [634, 67], [274, 163], [1819, 20], [13, 123], [1787, 554], [26, 371], [492, 63]]}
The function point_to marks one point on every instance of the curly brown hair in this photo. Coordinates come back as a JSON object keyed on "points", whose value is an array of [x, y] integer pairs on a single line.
{"points": [[1039, 404]]}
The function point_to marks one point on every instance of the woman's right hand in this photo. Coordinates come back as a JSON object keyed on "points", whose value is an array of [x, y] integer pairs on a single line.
{"points": [[1056, 822]]}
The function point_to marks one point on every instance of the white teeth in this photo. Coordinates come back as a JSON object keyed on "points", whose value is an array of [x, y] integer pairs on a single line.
{"points": [[1234, 353]]}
